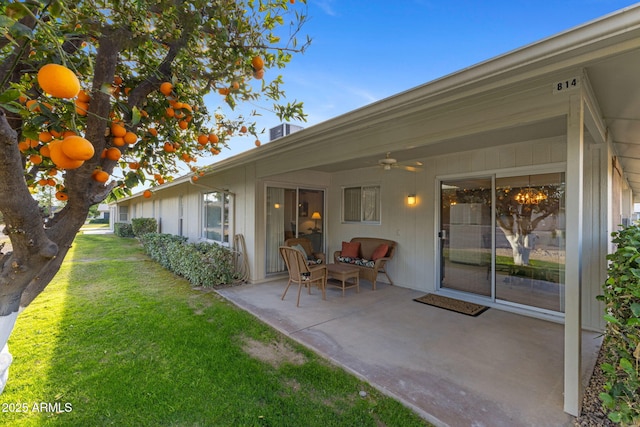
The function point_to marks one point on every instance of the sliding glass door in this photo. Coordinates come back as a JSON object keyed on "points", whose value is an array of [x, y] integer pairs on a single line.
{"points": [[530, 246], [465, 235], [503, 238], [292, 212]]}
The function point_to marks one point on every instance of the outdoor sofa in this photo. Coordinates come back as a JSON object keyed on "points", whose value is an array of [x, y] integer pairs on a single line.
{"points": [[369, 254]]}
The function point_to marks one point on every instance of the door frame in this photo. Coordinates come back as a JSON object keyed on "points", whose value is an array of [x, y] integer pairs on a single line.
{"points": [[469, 296]]}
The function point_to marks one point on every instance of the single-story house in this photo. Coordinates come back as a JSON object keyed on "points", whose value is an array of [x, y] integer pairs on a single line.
{"points": [[500, 183]]}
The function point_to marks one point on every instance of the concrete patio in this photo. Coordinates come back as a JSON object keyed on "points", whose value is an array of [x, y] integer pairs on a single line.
{"points": [[497, 369]]}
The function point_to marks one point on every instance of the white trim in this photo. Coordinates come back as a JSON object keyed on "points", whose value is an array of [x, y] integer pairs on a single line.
{"points": [[573, 259], [492, 300]]}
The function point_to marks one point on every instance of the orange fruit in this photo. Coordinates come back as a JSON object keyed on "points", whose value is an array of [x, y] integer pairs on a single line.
{"points": [[118, 141], [43, 181], [257, 63], [100, 175], [113, 153], [243, 129], [147, 194], [235, 86], [83, 96], [213, 138], [45, 136], [81, 108], [170, 112], [258, 143], [68, 133], [62, 196], [53, 172], [224, 91], [194, 178], [77, 148], [61, 160], [153, 131], [117, 80], [134, 165], [130, 138], [203, 139], [183, 124], [166, 88], [58, 81], [51, 182], [258, 74], [23, 146], [44, 151], [36, 159], [215, 151], [169, 148], [32, 105], [118, 130]]}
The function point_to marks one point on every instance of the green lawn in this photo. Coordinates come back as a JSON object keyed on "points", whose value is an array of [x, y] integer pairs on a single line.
{"points": [[118, 340]]}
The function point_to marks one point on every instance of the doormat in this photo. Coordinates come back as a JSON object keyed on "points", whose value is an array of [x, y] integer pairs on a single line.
{"points": [[452, 304]]}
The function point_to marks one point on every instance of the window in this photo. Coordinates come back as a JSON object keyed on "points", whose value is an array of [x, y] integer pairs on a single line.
{"points": [[216, 217], [361, 204], [123, 212]]}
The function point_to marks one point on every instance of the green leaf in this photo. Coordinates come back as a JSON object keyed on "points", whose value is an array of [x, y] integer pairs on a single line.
{"points": [[10, 107], [135, 115], [607, 400], [608, 368], [9, 95], [635, 309], [634, 321], [627, 366], [610, 319], [616, 417]]}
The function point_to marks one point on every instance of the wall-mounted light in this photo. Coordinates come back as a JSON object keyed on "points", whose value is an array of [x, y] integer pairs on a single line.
{"points": [[276, 205], [411, 199]]}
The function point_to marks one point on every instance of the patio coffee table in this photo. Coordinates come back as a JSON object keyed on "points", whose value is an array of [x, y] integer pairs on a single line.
{"points": [[344, 272]]}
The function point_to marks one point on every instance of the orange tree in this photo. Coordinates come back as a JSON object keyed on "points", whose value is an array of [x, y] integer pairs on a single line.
{"points": [[99, 96]]}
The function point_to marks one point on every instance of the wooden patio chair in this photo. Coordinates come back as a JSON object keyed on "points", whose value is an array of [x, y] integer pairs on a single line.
{"points": [[302, 273]]}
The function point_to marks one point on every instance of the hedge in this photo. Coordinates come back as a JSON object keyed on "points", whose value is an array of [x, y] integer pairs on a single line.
{"points": [[123, 229], [202, 264], [143, 226], [621, 296]]}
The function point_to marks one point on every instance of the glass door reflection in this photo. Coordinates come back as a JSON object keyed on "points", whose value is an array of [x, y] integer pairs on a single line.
{"points": [[465, 235]]}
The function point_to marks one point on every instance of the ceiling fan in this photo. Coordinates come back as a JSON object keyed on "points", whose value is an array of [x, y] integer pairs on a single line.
{"points": [[389, 162]]}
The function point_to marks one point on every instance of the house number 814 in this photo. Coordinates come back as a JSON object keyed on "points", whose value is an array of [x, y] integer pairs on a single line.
{"points": [[565, 85]]}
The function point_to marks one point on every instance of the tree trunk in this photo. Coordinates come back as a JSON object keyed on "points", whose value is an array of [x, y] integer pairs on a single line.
{"points": [[6, 327]]}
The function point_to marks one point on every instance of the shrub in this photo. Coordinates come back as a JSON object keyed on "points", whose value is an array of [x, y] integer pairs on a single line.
{"points": [[99, 221], [143, 226], [622, 340], [202, 264], [122, 229]]}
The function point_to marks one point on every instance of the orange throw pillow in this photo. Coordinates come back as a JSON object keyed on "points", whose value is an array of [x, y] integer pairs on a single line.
{"points": [[350, 249], [380, 251]]}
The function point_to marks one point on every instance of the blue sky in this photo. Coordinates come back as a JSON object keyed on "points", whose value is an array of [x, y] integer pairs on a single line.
{"points": [[365, 51]]}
